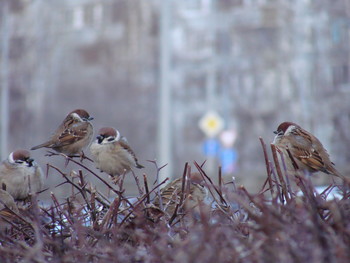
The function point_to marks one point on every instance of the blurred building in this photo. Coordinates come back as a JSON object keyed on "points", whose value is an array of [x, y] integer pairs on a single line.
{"points": [[255, 62]]}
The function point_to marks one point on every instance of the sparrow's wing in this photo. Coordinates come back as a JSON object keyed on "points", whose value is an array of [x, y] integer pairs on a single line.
{"points": [[54, 141], [310, 158], [170, 194], [173, 186], [127, 148], [306, 151], [66, 124], [73, 134]]}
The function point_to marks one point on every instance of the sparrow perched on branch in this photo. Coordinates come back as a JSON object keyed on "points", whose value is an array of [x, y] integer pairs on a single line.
{"points": [[302, 150], [20, 175], [7, 203], [195, 191], [72, 136], [6, 200], [112, 154]]}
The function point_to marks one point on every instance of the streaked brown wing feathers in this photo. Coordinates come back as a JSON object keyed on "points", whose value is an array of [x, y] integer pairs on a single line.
{"points": [[73, 134], [311, 159], [126, 147]]}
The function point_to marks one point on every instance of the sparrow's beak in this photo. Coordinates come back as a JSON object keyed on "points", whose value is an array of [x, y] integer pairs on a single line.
{"points": [[88, 119], [278, 132], [99, 139]]}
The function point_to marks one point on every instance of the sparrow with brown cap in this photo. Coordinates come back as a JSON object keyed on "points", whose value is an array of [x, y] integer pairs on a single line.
{"points": [[73, 134], [112, 154], [302, 150], [20, 175], [195, 191]]}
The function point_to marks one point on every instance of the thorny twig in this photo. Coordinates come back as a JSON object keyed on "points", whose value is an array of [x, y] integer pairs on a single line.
{"points": [[185, 175], [158, 169], [279, 173], [141, 200], [146, 188], [90, 171], [206, 177], [308, 227], [268, 168]]}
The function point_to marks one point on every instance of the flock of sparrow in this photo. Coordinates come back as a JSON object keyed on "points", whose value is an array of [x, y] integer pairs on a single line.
{"points": [[20, 175]]}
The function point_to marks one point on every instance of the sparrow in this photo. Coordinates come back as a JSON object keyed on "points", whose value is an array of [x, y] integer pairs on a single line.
{"points": [[195, 191], [20, 175], [305, 149], [72, 136], [7, 203], [112, 154], [6, 200]]}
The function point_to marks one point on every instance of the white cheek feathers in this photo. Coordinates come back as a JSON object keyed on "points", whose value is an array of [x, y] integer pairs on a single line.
{"points": [[117, 138], [276, 139], [290, 129], [76, 117], [11, 160]]}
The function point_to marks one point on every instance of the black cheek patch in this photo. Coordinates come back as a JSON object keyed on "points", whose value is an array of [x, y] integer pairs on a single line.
{"points": [[99, 139]]}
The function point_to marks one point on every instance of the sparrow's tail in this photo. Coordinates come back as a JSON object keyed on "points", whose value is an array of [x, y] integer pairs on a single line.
{"points": [[335, 172], [45, 144]]}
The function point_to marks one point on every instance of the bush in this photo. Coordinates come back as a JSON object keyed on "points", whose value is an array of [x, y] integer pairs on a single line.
{"points": [[275, 225]]}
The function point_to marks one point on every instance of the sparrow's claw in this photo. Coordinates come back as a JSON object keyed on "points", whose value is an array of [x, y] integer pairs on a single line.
{"points": [[50, 153], [115, 179], [82, 156], [66, 162]]}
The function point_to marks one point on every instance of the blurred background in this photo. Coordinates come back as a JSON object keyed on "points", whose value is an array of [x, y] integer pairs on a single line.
{"points": [[183, 80]]}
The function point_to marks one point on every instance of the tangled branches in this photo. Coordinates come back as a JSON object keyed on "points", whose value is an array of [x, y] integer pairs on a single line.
{"points": [[287, 221]]}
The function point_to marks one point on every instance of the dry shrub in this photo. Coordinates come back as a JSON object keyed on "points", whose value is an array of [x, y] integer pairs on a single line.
{"points": [[275, 225]]}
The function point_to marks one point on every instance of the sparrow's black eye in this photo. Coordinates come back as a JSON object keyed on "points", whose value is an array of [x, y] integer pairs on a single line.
{"points": [[110, 139]]}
